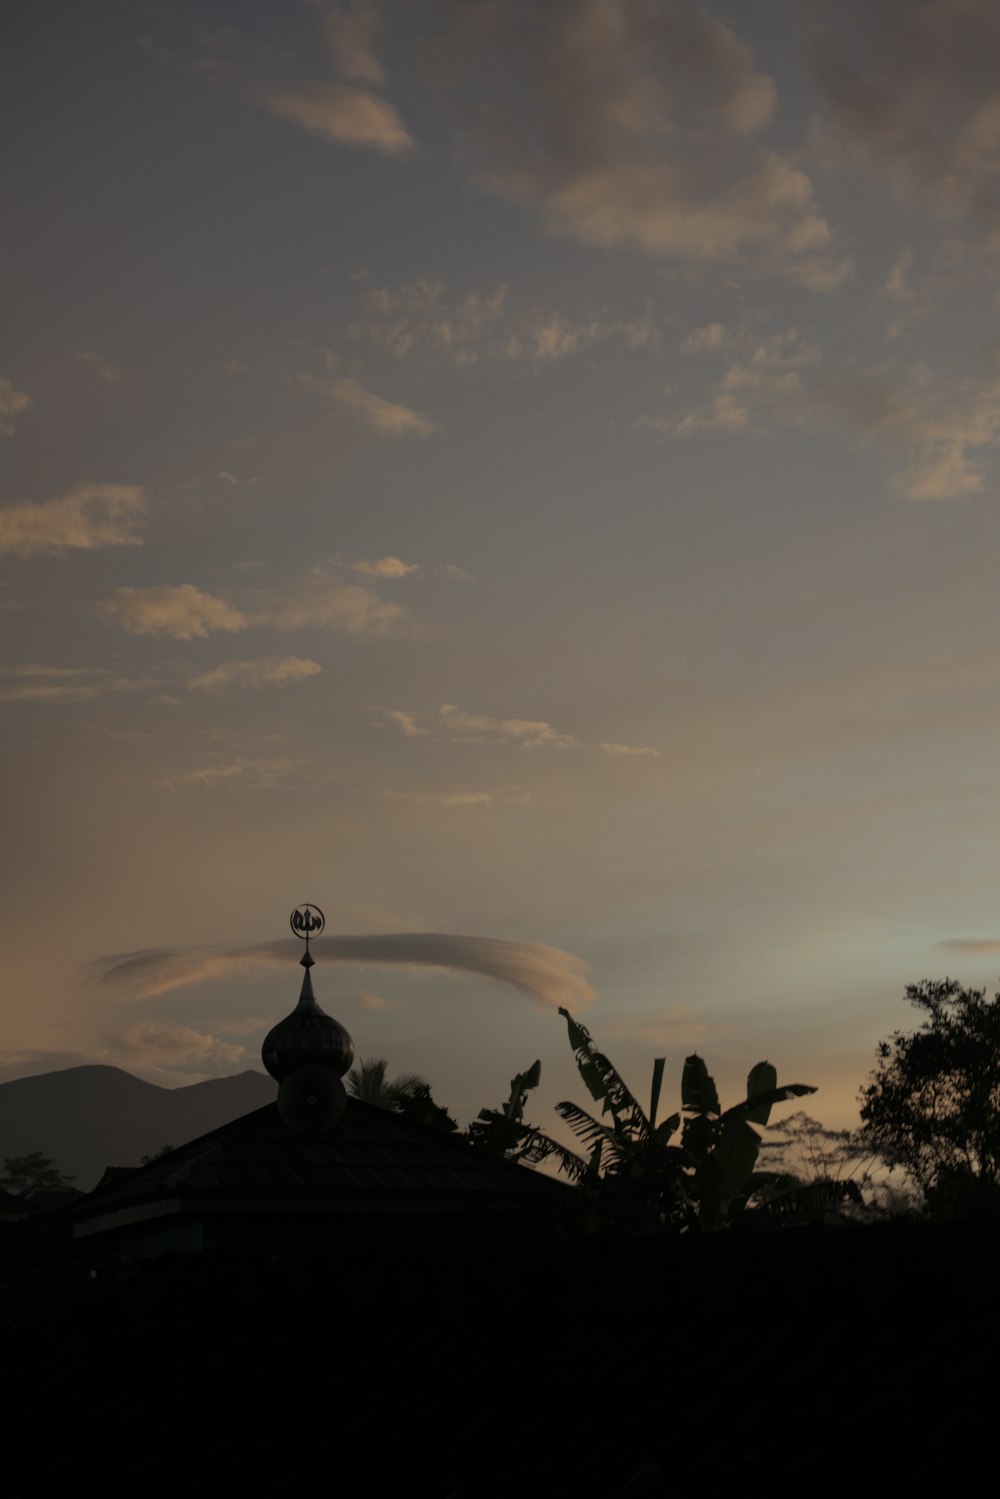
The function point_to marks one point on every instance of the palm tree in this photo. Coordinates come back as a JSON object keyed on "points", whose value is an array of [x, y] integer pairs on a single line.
{"points": [[369, 1082]]}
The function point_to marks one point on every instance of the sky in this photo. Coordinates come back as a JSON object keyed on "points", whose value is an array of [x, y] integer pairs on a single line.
{"points": [[523, 478]]}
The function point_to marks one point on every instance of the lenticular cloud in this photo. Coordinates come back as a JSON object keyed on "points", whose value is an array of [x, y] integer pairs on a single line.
{"points": [[547, 974]]}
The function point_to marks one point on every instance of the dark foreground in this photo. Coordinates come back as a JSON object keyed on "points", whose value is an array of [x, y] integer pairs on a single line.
{"points": [[839, 1358]]}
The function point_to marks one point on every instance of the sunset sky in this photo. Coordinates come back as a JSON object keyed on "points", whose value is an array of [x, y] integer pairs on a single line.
{"points": [[523, 477]]}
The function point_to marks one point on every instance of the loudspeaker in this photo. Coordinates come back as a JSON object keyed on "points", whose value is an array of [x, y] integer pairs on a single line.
{"points": [[311, 1100]]}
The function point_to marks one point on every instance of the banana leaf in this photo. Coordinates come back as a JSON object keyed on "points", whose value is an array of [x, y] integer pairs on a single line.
{"points": [[698, 1091], [603, 1081]]}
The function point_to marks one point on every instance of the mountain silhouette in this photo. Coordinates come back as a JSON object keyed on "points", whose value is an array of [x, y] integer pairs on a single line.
{"points": [[86, 1118]]}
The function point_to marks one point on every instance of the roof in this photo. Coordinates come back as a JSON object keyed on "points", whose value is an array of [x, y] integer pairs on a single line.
{"points": [[371, 1159]]}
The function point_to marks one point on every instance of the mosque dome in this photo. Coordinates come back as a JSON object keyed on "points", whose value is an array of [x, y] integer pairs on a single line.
{"points": [[308, 1037]]}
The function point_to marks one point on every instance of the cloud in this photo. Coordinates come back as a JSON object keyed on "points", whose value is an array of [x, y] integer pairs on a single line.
{"points": [[420, 315], [529, 733], [154, 1043], [938, 432], [478, 325], [985, 945], [383, 417], [64, 684], [674, 1027], [241, 772], [233, 367], [454, 723], [546, 974], [377, 1002], [632, 750], [386, 567], [269, 671], [182, 612], [101, 366], [702, 340], [455, 573], [505, 796], [763, 380], [915, 89], [627, 125], [13, 403], [88, 516], [351, 33], [544, 337], [897, 287], [225, 477], [322, 602], [406, 723], [348, 116]]}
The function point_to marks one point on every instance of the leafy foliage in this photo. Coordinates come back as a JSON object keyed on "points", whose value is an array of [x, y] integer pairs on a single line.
{"points": [[419, 1107], [813, 1174], [370, 1082], [637, 1178], [27, 1173], [932, 1102], [503, 1131], [723, 1146]]}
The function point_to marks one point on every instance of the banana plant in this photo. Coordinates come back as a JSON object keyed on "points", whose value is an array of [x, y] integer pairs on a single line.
{"points": [[723, 1145], [634, 1177], [634, 1174], [503, 1131]]}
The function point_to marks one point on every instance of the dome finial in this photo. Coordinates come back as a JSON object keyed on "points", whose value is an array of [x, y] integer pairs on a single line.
{"points": [[308, 1052]]}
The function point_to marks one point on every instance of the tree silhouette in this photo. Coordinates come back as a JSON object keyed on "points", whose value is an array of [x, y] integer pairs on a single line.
{"points": [[370, 1082], [27, 1173], [932, 1103]]}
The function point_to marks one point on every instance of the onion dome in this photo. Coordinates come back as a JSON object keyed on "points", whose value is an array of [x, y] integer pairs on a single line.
{"points": [[308, 1037], [308, 1052]]}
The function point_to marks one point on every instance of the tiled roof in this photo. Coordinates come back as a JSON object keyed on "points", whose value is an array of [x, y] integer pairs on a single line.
{"points": [[371, 1156]]}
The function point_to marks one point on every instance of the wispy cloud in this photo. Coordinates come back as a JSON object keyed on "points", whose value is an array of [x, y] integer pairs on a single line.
{"points": [[322, 601], [406, 723], [462, 797], [636, 125], [915, 90], [64, 684], [547, 974], [423, 316], [182, 612], [250, 773], [702, 340], [341, 114], [763, 378], [100, 366], [91, 515], [640, 751], [377, 1002], [939, 431], [386, 567], [386, 418], [268, 671], [13, 403], [162, 1045], [936, 429], [474, 727], [454, 723], [984, 945], [351, 34]]}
